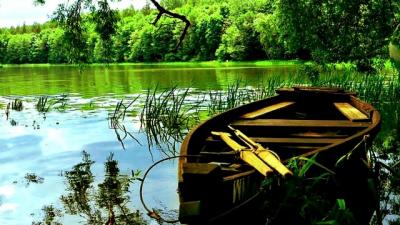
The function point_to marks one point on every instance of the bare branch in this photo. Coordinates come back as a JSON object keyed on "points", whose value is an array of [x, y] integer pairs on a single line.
{"points": [[162, 10], [157, 18]]}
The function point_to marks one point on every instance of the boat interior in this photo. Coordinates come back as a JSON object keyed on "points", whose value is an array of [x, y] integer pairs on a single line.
{"points": [[291, 127]]}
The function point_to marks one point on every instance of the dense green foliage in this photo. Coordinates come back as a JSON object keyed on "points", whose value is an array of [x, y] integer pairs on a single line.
{"points": [[323, 31]]}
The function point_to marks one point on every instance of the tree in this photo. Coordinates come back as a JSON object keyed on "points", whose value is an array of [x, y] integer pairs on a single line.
{"points": [[342, 30], [39, 50], [231, 47], [57, 46], [18, 48], [4, 37], [70, 17]]}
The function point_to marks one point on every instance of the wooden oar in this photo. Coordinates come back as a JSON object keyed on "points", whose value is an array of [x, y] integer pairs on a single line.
{"points": [[265, 154], [249, 157]]}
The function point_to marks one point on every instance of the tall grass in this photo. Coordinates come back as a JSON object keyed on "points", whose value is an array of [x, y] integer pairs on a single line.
{"points": [[115, 121], [43, 105], [17, 105], [165, 118]]}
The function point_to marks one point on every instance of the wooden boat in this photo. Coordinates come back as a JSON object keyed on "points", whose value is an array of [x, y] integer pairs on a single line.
{"points": [[215, 185]]}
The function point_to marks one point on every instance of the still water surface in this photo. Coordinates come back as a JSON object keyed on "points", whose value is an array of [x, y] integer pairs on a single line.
{"points": [[48, 144]]}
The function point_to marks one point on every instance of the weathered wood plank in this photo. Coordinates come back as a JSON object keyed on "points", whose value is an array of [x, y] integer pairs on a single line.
{"points": [[298, 147], [351, 112], [238, 175], [289, 140], [265, 110], [310, 134], [299, 123], [295, 140]]}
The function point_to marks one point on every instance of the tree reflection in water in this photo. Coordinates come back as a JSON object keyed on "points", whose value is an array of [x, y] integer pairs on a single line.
{"points": [[105, 203]]}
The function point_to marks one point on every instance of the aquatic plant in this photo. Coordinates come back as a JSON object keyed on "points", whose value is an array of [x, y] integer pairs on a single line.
{"points": [[17, 105], [7, 111], [60, 102], [165, 119], [233, 96], [42, 104], [238, 93], [115, 121], [88, 106]]}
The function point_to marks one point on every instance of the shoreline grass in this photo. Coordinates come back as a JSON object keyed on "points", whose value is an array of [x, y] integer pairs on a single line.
{"points": [[385, 64], [262, 63]]}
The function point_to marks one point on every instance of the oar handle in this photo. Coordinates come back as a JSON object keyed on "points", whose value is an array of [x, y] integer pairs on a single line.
{"points": [[248, 156], [271, 160], [264, 154]]}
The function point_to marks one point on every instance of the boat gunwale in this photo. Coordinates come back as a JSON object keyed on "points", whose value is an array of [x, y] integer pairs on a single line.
{"points": [[356, 137]]}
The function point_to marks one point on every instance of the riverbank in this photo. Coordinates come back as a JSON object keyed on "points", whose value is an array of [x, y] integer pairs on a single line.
{"points": [[264, 63]]}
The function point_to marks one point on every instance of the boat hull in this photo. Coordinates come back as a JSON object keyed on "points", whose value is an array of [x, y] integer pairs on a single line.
{"points": [[296, 123]]}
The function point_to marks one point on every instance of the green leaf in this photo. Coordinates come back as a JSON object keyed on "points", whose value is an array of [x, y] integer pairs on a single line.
{"points": [[307, 166], [330, 222], [341, 203]]}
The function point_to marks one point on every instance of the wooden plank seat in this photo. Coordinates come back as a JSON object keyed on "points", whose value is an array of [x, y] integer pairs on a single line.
{"points": [[351, 112], [267, 109], [310, 134], [289, 140], [295, 140], [299, 123]]}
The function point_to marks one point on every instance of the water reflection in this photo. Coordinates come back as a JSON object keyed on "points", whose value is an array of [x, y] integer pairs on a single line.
{"points": [[102, 203], [29, 154], [126, 79]]}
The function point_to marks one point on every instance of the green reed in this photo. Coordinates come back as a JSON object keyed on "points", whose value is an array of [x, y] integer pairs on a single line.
{"points": [[17, 105], [43, 104], [117, 117], [166, 117]]}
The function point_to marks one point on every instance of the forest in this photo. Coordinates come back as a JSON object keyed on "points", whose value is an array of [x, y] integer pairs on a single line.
{"points": [[321, 31]]}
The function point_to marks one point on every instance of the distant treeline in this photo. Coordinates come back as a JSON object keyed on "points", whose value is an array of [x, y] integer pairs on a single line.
{"points": [[319, 30]]}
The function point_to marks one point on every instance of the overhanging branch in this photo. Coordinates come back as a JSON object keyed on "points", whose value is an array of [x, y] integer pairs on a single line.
{"points": [[162, 10]]}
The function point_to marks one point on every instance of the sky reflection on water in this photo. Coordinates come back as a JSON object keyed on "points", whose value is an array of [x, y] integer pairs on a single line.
{"points": [[56, 146]]}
